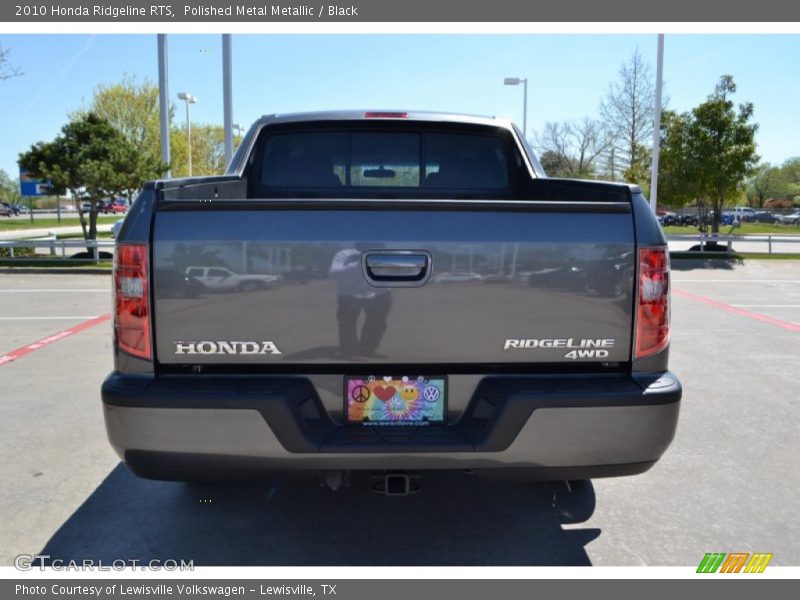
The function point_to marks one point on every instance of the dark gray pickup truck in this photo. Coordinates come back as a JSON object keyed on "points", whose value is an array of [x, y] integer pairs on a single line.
{"points": [[393, 292]]}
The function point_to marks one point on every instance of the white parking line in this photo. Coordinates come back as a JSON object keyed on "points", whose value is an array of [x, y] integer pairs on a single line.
{"points": [[52, 291], [736, 280], [767, 305], [79, 317]]}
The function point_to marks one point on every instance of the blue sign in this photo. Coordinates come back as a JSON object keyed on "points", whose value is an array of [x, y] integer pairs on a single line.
{"points": [[28, 186]]}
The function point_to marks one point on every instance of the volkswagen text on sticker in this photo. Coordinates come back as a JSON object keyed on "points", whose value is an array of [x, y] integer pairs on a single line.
{"points": [[226, 347], [577, 348]]}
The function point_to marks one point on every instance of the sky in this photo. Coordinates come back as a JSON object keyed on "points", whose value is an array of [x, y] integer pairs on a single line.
{"points": [[568, 74]]}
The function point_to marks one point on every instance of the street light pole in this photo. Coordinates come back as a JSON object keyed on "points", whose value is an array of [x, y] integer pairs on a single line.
{"points": [[524, 82], [525, 109], [163, 101], [189, 99], [227, 96], [657, 123]]}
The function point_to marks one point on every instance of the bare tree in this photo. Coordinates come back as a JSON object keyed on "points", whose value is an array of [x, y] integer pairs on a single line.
{"points": [[7, 70], [551, 145], [627, 112], [573, 147]]}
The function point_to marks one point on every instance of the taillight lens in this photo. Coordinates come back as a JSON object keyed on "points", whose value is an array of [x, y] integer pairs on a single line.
{"points": [[131, 300], [652, 314]]}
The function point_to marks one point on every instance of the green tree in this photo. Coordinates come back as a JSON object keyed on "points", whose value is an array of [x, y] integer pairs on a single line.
{"points": [[132, 108], [553, 164], [10, 192], [788, 185], [673, 188], [9, 188], [708, 153], [208, 150], [763, 185], [90, 159], [639, 170]]}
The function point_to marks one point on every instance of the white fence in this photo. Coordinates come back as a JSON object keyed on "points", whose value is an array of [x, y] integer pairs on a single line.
{"points": [[760, 243], [56, 247]]}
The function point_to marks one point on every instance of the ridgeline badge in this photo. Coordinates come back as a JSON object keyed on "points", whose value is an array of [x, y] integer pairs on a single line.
{"points": [[577, 347]]}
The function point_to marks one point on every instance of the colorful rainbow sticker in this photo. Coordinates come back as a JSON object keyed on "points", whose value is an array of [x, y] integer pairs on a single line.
{"points": [[395, 401]]}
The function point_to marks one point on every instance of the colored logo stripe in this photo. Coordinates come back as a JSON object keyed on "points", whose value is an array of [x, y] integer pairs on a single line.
{"points": [[735, 561], [758, 562], [711, 562]]}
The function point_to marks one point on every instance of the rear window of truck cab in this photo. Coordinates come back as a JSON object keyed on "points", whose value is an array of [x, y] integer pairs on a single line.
{"points": [[394, 161]]}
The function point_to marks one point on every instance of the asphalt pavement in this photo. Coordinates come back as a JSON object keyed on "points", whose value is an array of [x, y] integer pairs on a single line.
{"points": [[728, 483]]}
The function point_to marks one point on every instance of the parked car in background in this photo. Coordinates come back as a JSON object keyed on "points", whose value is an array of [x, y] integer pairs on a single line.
{"points": [[21, 209], [5, 210], [792, 219], [115, 207], [86, 207], [14, 210], [668, 218], [764, 216], [688, 220], [726, 219], [448, 277], [745, 214], [220, 279]]}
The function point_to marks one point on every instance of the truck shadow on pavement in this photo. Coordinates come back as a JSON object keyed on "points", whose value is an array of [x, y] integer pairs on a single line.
{"points": [[457, 519], [705, 264]]}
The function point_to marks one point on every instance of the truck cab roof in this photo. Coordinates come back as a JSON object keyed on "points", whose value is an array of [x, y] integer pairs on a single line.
{"points": [[388, 115], [236, 166]]}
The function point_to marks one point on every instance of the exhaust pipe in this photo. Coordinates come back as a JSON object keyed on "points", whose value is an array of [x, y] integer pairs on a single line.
{"points": [[396, 483]]}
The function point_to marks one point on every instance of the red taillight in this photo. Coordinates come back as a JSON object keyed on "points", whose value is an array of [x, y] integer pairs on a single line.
{"points": [[652, 313], [385, 115], [131, 300]]}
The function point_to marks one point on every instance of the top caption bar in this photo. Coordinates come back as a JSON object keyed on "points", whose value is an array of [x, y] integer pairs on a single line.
{"points": [[458, 11]]}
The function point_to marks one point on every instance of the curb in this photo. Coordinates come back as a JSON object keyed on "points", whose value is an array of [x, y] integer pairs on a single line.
{"points": [[57, 270], [688, 255]]}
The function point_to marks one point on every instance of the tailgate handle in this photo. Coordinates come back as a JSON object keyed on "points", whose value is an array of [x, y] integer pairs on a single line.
{"points": [[400, 266]]}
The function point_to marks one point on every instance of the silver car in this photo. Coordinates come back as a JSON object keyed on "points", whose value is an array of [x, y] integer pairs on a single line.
{"points": [[792, 219]]}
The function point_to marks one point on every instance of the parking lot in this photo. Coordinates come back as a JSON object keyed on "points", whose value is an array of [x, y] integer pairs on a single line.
{"points": [[729, 482]]}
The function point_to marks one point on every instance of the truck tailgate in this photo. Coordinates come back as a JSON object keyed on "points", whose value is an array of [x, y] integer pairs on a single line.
{"points": [[326, 283]]}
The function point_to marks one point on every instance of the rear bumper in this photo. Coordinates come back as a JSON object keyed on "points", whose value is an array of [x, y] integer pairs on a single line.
{"points": [[176, 427]]}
